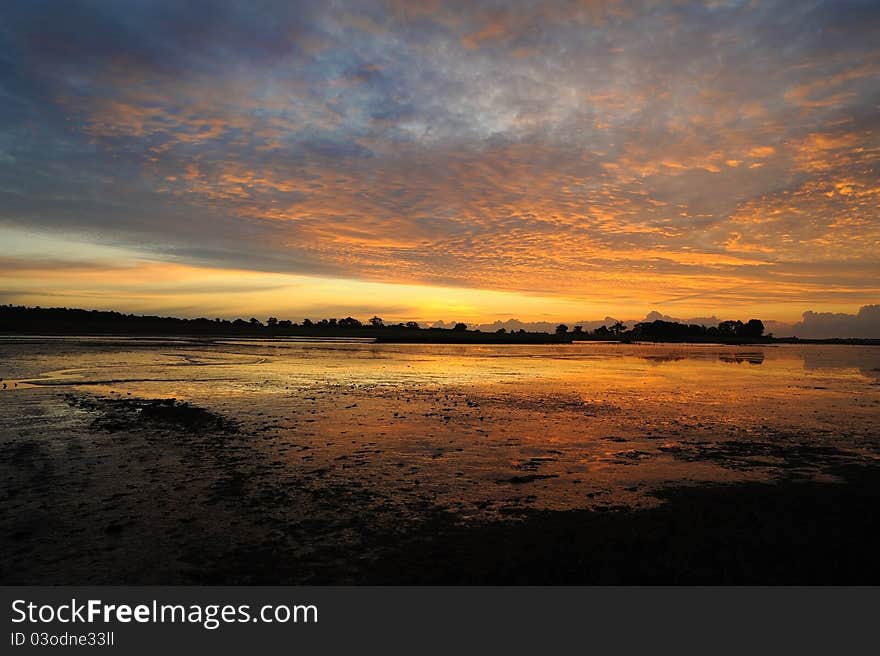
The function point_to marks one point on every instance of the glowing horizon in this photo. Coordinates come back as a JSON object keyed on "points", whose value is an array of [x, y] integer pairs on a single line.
{"points": [[563, 161]]}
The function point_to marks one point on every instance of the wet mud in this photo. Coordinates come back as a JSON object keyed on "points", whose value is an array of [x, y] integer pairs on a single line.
{"points": [[259, 463]]}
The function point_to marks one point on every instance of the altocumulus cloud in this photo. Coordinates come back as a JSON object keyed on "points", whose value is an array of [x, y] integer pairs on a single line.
{"points": [[697, 154]]}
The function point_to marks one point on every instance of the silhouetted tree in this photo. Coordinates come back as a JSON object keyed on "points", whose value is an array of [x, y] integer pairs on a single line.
{"points": [[661, 331], [752, 329], [501, 331], [729, 328], [30, 320]]}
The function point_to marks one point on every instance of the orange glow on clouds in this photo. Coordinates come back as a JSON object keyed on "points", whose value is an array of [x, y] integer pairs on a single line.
{"points": [[433, 161]]}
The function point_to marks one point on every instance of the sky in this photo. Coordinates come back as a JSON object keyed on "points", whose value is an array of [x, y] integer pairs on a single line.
{"points": [[472, 161]]}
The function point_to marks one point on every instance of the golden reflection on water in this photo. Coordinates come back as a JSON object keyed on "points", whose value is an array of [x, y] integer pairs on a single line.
{"points": [[482, 428]]}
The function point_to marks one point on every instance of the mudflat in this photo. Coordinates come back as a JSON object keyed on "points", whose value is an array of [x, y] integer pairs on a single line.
{"points": [[295, 461]]}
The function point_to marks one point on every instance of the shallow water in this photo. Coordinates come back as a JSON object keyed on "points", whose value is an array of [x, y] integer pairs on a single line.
{"points": [[455, 417], [327, 433]]}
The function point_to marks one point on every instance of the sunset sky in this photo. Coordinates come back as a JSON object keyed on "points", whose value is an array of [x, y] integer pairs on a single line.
{"points": [[424, 160]]}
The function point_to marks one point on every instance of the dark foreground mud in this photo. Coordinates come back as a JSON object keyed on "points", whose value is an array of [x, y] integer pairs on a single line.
{"points": [[145, 491], [751, 533]]}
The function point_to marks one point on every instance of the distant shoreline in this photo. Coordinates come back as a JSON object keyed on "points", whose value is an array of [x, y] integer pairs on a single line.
{"points": [[470, 337], [67, 322]]}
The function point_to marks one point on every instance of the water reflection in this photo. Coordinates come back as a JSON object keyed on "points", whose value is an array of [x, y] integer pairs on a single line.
{"points": [[304, 446], [478, 426], [866, 359], [756, 357]]}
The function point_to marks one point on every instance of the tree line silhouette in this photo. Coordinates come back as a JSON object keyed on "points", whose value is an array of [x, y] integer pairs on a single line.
{"points": [[660, 330], [69, 321]]}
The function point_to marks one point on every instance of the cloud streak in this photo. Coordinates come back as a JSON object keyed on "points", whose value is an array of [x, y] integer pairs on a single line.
{"points": [[710, 154]]}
